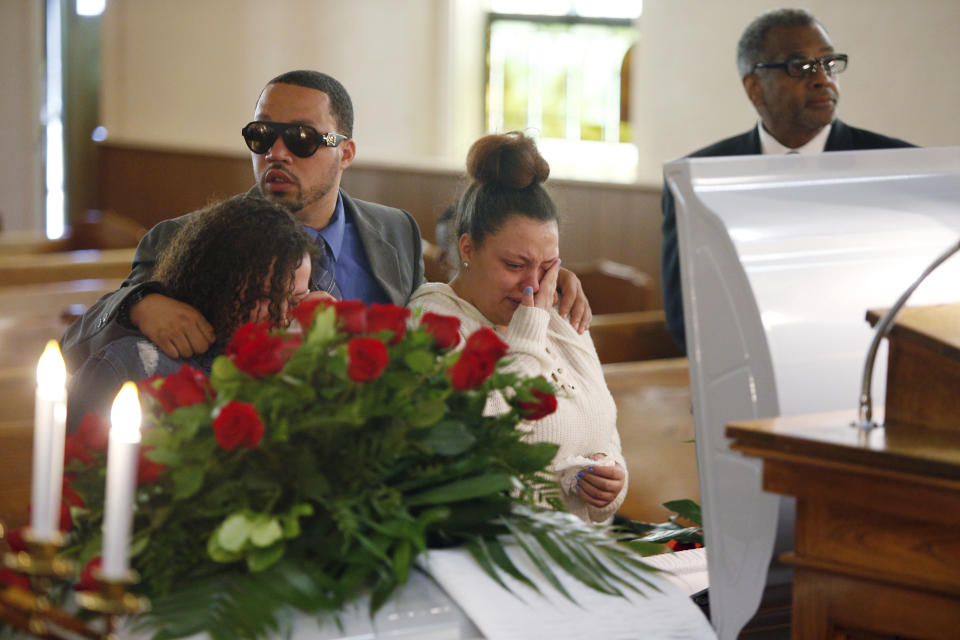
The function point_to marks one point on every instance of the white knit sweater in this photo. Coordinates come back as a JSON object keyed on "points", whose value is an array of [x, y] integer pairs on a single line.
{"points": [[543, 343]]}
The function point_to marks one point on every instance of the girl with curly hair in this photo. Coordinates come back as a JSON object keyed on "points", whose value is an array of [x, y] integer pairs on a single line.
{"points": [[241, 260]]}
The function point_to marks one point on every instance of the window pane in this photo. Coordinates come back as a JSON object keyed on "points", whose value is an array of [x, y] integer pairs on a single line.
{"points": [[560, 78]]}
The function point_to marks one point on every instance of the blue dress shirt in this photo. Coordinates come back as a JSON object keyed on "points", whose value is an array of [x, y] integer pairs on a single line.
{"points": [[351, 271]]}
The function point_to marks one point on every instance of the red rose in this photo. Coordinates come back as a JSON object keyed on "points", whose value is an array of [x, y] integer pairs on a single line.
{"points": [[148, 471], [545, 404], [66, 520], [71, 497], [68, 498], [304, 312], [15, 540], [486, 344], [87, 582], [238, 425], [258, 353], [388, 317], [470, 370], [478, 360], [367, 359], [94, 432], [444, 329], [13, 579], [352, 315], [185, 388], [73, 449]]}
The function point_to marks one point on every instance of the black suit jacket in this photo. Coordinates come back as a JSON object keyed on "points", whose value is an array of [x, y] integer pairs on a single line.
{"points": [[842, 138]]}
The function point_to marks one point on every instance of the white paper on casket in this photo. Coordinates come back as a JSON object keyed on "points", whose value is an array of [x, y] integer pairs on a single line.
{"points": [[662, 611], [781, 256], [456, 600]]}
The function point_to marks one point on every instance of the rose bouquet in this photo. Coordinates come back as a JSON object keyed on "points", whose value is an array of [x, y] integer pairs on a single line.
{"points": [[311, 466]]}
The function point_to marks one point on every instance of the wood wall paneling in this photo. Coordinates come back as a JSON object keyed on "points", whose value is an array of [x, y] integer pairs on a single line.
{"points": [[617, 222]]}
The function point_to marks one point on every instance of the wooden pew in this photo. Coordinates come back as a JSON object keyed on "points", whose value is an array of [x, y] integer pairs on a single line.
{"points": [[434, 263], [32, 314], [633, 336], [20, 269], [17, 388], [613, 287], [656, 433], [94, 230], [20, 242], [16, 446], [51, 298]]}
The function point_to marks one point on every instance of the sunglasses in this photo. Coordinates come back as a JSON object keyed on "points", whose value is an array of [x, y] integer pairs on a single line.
{"points": [[302, 140]]}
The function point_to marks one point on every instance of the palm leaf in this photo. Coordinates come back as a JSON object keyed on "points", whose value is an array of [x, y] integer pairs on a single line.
{"points": [[502, 560], [528, 544], [478, 549], [591, 540], [584, 572]]}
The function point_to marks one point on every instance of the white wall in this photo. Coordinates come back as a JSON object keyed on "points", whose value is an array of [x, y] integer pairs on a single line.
{"points": [[185, 74], [21, 176], [901, 81]]}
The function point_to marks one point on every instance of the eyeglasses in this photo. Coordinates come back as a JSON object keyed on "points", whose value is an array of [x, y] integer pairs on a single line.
{"points": [[803, 67], [302, 140]]}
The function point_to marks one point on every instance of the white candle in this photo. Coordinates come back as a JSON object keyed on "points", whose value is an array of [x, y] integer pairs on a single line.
{"points": [[121, 482], [49, 424]]}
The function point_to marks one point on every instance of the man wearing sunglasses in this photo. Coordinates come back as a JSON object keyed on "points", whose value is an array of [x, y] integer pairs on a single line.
{"points": [[789, 70], [301, 142]]}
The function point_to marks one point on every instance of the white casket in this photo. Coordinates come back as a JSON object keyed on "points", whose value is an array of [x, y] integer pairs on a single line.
{"points": [[781, 256], [451, 598]]}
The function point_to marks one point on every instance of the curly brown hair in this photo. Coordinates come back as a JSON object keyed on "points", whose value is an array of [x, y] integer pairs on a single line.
{"points": [[220, 258]]}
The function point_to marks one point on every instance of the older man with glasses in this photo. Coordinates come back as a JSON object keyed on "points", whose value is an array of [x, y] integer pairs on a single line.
{"points": [[301, 142], [789, 69]]}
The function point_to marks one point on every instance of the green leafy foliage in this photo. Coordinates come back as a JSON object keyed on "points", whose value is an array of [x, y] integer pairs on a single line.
{"points": [[683, 530], [350, 482]]}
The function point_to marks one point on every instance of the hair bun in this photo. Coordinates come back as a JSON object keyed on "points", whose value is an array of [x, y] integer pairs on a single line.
{"points": [[508, 159]]}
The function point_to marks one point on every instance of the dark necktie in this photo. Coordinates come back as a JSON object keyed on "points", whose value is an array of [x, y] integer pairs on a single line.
{"points": [[323, 271]]}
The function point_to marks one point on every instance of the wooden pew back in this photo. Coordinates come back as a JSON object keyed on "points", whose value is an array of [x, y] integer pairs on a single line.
{"points": [[37, 268], [16, 446], [656, 433], [633, 336], [613, 287]]}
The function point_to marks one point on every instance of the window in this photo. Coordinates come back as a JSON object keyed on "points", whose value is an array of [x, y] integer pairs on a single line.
{"points": [[566, 77]]}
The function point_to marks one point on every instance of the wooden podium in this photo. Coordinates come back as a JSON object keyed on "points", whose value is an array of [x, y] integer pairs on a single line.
{"points": [[878, 513]]}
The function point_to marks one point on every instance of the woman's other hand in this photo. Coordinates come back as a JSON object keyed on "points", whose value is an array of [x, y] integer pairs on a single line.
{"points": [[599, 486], [546, 295]]}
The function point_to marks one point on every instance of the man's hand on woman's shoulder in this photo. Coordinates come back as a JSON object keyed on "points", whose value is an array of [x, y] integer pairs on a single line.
{"points": [[177, 328]]}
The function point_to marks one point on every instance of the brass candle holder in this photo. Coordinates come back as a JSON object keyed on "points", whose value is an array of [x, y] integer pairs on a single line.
{"points": [[40, 560], [32, 611], [114, 597]]}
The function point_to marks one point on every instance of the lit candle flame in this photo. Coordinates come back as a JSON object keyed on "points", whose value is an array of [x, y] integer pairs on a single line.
{"points": [[51, 373], [125, 414]]}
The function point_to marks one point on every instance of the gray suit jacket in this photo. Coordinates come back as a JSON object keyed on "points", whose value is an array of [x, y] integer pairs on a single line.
{"points": [[390, 237]]}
